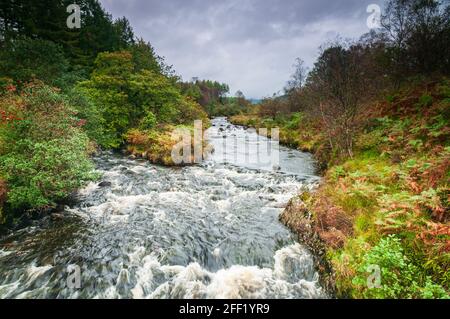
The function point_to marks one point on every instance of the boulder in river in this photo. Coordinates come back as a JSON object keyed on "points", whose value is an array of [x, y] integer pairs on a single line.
{"points": [[104, 184]]}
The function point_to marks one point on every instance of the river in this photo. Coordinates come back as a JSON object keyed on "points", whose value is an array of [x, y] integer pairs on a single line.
{"points": [[204, 231]]}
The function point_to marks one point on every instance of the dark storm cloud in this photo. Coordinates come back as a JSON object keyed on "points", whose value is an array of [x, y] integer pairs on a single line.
{"points": [[249, 44]]}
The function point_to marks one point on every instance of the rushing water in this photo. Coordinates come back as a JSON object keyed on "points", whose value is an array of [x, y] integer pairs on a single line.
{"points": [[205, 231]]}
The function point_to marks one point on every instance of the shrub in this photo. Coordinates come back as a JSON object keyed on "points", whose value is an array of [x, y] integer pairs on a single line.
{"points": [[149, 121], [192, 111], [43, 154], [294, 122], [400, 278], [91, 119]]}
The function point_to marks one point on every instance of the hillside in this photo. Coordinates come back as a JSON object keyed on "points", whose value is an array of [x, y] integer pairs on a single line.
{"points": [[386, 206]]}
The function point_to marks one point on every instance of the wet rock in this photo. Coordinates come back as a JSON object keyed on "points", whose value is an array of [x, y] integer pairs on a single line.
{"points": [[104, 184], [57, 216], [298, 218]]}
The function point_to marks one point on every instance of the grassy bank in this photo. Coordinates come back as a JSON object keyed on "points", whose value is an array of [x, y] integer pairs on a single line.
{"points": [[293, 131], [387, 208]]}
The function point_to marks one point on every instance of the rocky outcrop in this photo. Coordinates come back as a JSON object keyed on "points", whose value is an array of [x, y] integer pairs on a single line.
{"points": [[297, 218]]}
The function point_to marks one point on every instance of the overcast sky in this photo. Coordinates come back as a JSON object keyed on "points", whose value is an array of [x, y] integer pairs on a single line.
{"points": [[249, 44]]}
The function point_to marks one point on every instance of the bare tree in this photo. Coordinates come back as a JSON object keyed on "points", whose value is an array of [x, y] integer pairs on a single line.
{"points": [[295, 85], [299, 76], [339, 85]]}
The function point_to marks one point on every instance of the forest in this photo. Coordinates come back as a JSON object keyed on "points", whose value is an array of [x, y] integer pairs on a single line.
{"points": [[66, 93], [374, 112]]}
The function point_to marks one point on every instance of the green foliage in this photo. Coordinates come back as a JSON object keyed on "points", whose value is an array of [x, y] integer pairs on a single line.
{"points": [[149, 121], [41, 173], [91, 119], [417, 144], [294, 122], [145, 58], [425, 101], [126, 98], [43, 154], [46, 20], [400, 278], [391, 98], [24, 59], [444, 88], [150, 91], [338, 171], [211, 96]]}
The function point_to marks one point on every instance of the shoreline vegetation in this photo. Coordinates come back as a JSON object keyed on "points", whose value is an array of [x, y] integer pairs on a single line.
{"points": [[374, 112], [392, 193]]}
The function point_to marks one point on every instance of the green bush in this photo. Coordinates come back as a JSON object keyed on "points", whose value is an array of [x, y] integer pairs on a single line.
{"points": [[149, 121], [400, 278], [88, 112], [294, 122], [43, 152]]}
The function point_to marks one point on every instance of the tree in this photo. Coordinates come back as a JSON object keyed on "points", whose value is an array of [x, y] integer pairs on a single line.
{"points": [[339, 86], [239, 95], [299, 76], [144, 57], [419, 37], [108, 88], [24, 59], [129, 95], [209, 94], [124, 33], [241, 101], [46, 20], [272, 107], [294, 87], [428, 43]]}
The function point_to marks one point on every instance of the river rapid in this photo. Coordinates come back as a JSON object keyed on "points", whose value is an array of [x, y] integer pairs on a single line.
{"points": [[146, 231]]}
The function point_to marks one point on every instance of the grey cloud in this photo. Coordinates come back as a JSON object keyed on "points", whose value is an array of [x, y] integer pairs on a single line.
{"points": [[249, 44]]}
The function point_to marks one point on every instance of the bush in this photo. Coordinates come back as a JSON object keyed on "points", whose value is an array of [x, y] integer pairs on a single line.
{"points": [[43, 152], [192, 111], [294, 122], [400, 278], [92, 120], [149, 121]]}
